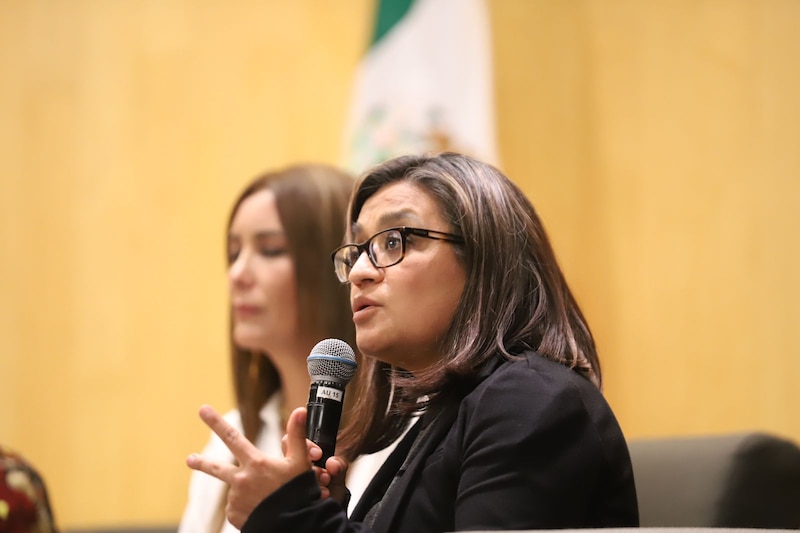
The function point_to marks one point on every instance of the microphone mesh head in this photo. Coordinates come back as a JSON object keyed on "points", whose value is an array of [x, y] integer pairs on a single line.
{"points": [[333, 358]]}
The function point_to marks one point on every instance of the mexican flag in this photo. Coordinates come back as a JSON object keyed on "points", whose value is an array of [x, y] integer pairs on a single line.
{"points": [[424, 85]]}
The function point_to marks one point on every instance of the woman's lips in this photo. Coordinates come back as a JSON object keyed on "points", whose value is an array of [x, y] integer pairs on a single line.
{"points": [[364, 313], [244, 311], [362, 309]]}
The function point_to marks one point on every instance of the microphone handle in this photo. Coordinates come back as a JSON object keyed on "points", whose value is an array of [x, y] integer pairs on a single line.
{"points": [[325, 401]]}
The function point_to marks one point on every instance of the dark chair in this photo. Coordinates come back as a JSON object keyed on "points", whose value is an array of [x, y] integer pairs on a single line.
{"points": [[748, 480]]}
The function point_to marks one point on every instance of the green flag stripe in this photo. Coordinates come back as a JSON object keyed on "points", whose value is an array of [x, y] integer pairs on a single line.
{"points": [[389, 13]]}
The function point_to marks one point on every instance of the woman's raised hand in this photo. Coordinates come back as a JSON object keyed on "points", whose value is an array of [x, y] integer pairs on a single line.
{"points": [[255, 475]]}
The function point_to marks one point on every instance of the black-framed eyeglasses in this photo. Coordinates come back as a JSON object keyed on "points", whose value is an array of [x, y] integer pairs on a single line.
{"points": [[384, 249]]}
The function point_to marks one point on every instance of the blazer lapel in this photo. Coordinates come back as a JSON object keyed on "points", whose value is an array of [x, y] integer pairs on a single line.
{"points": [[383, 477], [439, 427]]}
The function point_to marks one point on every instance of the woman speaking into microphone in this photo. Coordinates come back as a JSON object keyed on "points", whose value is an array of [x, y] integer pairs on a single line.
{"points": [[464, 317]]}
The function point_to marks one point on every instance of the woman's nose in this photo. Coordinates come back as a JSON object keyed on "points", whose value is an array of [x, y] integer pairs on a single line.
{"points": [[239, 272], [364, 270]]}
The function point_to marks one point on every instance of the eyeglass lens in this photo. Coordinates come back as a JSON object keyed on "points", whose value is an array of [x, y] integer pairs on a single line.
{"points": [[384, 249]]}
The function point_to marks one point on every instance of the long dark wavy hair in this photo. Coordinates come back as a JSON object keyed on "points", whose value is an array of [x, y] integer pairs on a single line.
{"points": [[515, 296]]}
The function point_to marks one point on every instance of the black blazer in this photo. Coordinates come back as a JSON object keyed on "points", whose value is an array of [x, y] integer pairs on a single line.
{"points": [[533, 446]]}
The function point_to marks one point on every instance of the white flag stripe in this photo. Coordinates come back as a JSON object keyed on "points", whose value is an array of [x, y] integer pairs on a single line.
{"points": [[427, 85]]}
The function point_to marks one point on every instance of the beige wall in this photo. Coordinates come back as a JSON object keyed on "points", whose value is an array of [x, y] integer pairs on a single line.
{"points": [[658, 140]]}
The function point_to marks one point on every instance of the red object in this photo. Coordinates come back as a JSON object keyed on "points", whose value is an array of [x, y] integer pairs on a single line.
{"points": [[24, 507]]}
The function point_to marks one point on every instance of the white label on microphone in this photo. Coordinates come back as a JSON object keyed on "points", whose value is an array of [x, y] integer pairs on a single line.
{"points": [[330, 394]]}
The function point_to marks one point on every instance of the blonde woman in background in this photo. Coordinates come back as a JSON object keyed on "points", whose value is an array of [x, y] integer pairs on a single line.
{"points": [[283, 300]]}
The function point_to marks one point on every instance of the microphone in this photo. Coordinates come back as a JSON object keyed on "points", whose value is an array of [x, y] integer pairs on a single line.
{"points": [[331, 366]]}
